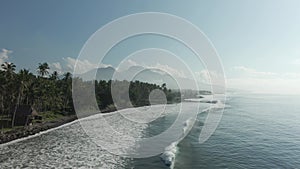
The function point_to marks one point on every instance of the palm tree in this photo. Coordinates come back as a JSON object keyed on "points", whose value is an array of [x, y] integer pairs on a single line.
{"points": [[43, 69], [2, 93], [67, 88], [9, 69], [164, 87], [67, 76], [25, 78], [9, 87], [54, 75], [21, 83]]}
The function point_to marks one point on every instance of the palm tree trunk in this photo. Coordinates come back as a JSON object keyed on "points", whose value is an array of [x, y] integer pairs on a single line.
{"points": [[2, 112], [16, 107]]}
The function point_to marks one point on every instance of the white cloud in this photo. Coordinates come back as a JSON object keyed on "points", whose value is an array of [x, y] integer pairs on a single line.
{"points": [[4, 55], [179, 72], [56, 66], [126, 64], [203, 76], [170, 70], [206, 77], [82, 66], [265, 82], [259, 85], [68, 64], [253, 72]]}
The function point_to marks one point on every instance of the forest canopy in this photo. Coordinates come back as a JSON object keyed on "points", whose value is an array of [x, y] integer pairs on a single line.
{"points": [[47, 91]]}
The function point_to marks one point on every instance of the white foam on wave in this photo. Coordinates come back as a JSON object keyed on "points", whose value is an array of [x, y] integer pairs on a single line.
{"points": [[187, 126], [218, 105], [95, 116], [169, 154], [61, 126]]}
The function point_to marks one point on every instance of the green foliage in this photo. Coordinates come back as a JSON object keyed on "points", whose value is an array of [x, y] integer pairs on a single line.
{"points": [[43, 69], [49, 116], [50, 93], [41, 92], [138, 93]]}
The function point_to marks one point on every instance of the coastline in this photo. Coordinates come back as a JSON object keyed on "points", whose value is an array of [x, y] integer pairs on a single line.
{"points": [[21, 132], [18, 133]]}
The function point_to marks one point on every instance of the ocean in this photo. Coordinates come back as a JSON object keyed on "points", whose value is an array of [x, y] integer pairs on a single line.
{"points": [[256, 131]]}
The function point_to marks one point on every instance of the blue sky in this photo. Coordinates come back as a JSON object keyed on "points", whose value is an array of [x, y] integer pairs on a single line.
{"points": [[258, 40]]}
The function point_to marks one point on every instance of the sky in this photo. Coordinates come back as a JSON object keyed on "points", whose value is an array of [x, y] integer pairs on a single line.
{"points": [[257, 40]]}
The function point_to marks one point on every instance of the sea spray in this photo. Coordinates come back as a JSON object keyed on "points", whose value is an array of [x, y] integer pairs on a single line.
{"points": [[169, 154]]}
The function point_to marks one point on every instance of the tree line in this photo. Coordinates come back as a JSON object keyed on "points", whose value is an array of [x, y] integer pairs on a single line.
{"points": [[53, 92]]}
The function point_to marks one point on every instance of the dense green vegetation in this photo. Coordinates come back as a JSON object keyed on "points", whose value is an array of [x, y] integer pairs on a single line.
{"points": [[52, 93], [44, 92]]}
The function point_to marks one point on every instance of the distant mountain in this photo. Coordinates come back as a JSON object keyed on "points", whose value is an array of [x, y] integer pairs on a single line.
{"points": [[148, 75], [101, 74], [105, 73], [142, 74]]}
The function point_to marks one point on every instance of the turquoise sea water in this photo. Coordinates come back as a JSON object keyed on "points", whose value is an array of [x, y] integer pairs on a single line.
{"points": [[256, 131]]}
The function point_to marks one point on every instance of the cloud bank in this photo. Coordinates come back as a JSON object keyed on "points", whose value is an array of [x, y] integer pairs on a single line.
{"points": [[256, 81], [4, 55]]}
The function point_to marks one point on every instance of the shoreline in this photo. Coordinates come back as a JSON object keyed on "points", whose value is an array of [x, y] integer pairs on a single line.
{"points": [[22, 132], [19, 133]]}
